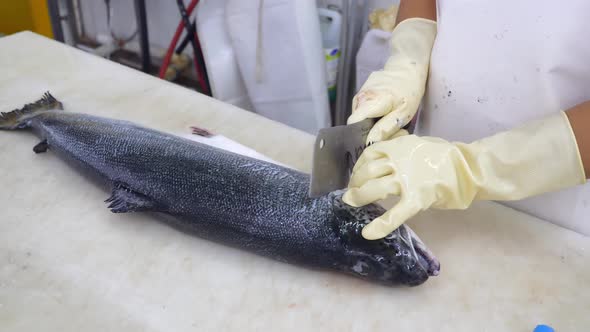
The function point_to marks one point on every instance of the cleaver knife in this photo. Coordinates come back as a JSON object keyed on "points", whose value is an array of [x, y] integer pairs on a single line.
{"points": [[335, 152]]}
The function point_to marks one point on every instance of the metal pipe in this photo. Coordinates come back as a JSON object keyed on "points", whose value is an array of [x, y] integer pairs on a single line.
{"points": [[146, 61], [79, 19], [72, 22], [53, 8]]}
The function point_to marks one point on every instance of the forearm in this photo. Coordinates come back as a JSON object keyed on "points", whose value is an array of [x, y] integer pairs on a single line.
{"points": [[579, 117], [416, 8]]}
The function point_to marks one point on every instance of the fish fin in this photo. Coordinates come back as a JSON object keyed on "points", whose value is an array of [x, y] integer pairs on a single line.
{"points": [[125, 200], [41, 147], [16, 119]]}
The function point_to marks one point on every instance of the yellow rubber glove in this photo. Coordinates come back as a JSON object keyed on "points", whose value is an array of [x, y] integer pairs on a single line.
{"points": [[395, 92], [426, 172]]}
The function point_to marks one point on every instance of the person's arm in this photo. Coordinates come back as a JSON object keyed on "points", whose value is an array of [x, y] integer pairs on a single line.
{"points": [[549, 154], [416, 8], [579, 117], [393, 94]]}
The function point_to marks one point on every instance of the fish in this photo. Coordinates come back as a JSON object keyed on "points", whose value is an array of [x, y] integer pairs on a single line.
{"points": [[231, 199]]}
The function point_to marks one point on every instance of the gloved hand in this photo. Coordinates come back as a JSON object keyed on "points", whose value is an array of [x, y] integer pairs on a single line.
{"points": [[395, 92], [426, 172]]}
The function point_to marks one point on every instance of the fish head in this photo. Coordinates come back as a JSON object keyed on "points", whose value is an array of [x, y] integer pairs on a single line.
{"points": [[399, 258]]}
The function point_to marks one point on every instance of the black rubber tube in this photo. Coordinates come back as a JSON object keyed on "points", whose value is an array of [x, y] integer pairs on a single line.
{"points": [[146, 60]]}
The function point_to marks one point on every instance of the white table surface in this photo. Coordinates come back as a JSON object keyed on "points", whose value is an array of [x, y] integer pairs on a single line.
{"points": [[68, 264]]}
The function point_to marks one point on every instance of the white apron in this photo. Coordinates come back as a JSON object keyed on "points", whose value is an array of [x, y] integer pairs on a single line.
{"points": [[498, 64]]}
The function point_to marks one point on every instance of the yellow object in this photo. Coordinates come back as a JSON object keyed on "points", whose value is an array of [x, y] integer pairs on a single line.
{"points": [[395, 92], [41, 20], [426, 172], [383, 19], [32, 15], [178, 63]]}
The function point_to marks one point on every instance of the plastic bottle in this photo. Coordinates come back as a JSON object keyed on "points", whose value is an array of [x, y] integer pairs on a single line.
{"points": [[330, 24]]}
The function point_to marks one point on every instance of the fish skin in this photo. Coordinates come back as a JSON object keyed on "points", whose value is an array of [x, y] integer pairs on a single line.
{"points": [[229, 198]]}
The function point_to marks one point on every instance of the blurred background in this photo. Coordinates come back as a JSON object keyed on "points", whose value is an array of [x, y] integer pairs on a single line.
{"points": [[298, 62]]}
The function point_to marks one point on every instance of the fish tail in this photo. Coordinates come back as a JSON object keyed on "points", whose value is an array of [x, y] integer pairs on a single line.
{"points": [[17, 119]]}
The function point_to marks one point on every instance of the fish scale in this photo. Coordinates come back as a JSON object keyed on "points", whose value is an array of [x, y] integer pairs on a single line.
{"points": [[229, 198]]}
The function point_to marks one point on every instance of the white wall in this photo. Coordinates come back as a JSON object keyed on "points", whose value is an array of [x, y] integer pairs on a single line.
{"points": [[372, 4]]}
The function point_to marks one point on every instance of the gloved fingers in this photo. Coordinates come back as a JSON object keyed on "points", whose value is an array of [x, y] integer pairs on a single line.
{"points": [[378, 150], [390, 220], [372, 191], [389, 125], [400, 133], [374, 169], [370, 154], [369, 104]]}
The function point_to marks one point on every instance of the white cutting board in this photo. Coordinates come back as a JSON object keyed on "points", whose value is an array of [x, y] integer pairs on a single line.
{"points": [[68, 264]]}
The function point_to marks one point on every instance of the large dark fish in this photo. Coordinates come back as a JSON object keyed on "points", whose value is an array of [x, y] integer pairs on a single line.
{"points": [[229, 198]]}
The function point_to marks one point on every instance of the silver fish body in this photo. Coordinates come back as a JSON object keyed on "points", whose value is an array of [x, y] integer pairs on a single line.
{"points": [[225, 197]]}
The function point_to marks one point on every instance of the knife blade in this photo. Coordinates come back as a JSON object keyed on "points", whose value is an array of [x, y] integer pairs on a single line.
{"points": [[336, 151]]}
